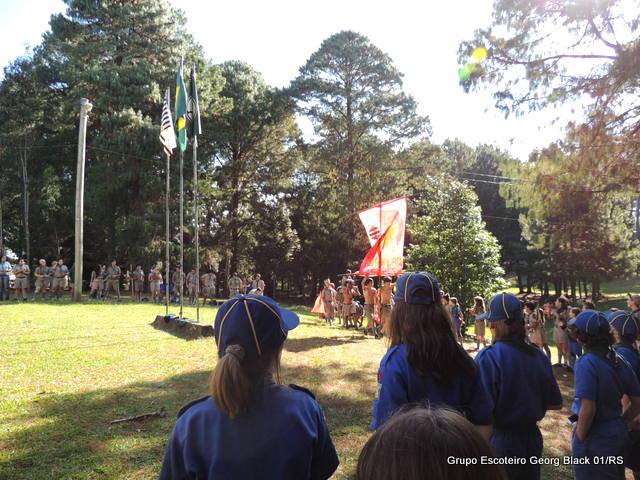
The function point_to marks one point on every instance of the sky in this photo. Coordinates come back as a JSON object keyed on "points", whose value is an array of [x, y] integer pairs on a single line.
{"points": [[278, 36]]}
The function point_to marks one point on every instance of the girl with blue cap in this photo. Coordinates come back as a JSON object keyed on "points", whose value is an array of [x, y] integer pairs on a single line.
{"points": [[251, 427], [519, 379], [424, 363], [602, 380]]}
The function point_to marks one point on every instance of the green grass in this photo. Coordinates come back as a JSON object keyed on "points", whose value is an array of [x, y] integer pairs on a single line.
{"points": [[68, 370]]}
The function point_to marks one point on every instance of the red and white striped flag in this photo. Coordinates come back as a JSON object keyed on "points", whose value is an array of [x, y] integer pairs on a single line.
{"points": [[167, 133]]}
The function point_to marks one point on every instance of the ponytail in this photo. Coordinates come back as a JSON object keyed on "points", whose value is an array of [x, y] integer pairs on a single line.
{"points": [[234, 378]]}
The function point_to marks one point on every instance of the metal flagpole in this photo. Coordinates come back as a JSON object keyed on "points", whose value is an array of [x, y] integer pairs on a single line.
{"points": [[167, 281], [181, 231], [196, 223]]}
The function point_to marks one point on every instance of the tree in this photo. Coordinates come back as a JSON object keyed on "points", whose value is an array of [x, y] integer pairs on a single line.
{"points": [[352, 93], [449, 239], [592, 59], [254, 146]]}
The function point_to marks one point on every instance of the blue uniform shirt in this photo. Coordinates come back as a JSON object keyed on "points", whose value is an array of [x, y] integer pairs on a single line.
{"points": [[399, 384], [600, 380], [574, 347], [283, 436], [520, 382], [631, 355]]}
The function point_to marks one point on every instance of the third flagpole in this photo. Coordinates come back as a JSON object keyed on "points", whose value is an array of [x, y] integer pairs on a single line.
{"points": [[167, 281], [196, 223], [181, 280]]}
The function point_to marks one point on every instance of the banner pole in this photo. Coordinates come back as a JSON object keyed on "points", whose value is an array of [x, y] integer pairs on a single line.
{"points": [[181, 232], [196, 223], [167, 254]]}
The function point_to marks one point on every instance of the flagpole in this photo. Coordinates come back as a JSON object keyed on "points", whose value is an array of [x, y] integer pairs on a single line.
{"points": [[196, 223], [167, 255], [181, 231]]}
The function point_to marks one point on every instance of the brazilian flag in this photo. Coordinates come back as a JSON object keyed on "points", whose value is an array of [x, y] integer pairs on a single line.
{"points": [[181, 110]]}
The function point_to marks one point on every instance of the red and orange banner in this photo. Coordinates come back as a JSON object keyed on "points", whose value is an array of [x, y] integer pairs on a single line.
{"points": [[385, 226]]}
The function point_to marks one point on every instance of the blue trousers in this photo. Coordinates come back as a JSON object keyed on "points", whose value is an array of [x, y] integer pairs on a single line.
{"points": [[520, 442], [606, 439], [4, 287]]}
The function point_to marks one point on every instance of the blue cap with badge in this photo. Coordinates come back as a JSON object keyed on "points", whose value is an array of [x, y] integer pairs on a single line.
{"points": [[503, 306], [417, 288], [590, 322], [624, 322], [255, 322]]}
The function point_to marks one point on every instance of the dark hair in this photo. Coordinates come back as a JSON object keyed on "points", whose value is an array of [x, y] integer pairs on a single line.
{"points": [[428, 333], [530, 305], [416, 443], [575, 310], [368, 281], [235, 377], [479, 303], [509, 331], [600, 342], [445, 296]]}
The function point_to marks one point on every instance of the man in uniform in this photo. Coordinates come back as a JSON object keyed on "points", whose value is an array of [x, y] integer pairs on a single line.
{"points": [[234, 284], [349, 291], [208, 282], [257, 284], [60, 272], [178, 283], [114, 272], [385, 294], [48, 283], [328, 301], [138, 283], [5, 271], [192, 286], [42, 278], [22, 272], [155, 280], [633, 302], [369, 293]]}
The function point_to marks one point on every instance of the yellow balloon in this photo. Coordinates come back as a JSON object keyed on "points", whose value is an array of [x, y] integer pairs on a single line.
{"points": [[181, 123], [479, 54]]}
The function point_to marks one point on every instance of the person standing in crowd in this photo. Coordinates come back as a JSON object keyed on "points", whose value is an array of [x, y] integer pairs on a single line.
{"points": [[520, 381], [50, 281], [257, 283], [602, 380], [457, 318], [95, 283], [531, 324], [633, 303], [349, 293], [208, 281], [575, 350], [385, 299], [60, 273], [114, 272], [5, 271], [251, 426], [425, 363], [328, 296], [138, 283], [22, 271], [369, 293], [234, 285], [418, 443], [192, 286], [560, 330], [42, 276], [178, 284], [479, 325], [155, 280]]}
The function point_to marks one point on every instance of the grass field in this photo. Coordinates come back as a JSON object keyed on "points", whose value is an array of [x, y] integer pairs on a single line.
{"points": [[68, 370]]}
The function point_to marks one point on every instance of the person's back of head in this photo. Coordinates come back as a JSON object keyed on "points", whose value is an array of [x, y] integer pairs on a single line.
{"points": [[418, 443]]}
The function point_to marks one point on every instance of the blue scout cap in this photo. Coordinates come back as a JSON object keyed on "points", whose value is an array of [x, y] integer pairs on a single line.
{"points": [[623, 322], [255, 322], [590, 322], [503, 306], [417, 288]]}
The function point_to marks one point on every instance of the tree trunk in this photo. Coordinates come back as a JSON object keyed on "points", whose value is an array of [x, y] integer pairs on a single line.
{"points": [[557, 285], [573, 287], [24, 157], [519, 280]]}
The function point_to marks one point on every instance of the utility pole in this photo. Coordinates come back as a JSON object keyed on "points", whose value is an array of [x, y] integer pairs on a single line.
{"points": [[85, 108]]}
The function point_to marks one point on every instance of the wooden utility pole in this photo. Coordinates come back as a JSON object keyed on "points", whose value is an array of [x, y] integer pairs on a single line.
{"points": [[85, 108]]}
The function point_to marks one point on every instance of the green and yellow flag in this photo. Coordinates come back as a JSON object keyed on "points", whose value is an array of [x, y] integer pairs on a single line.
{"points": [[181, 110]]}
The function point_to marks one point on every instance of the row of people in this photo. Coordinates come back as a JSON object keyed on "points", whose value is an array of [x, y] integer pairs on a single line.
{"points": [[50, 280], [232, 432]]}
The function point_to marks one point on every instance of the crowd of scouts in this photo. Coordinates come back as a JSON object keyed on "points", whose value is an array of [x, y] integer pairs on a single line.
{"points": [[52, 281], [438, 413]]}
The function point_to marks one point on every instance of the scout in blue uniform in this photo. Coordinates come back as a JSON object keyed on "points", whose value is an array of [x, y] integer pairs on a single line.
{"points": [[425, 364], [251, 427], [602, 379], [625, 331], [519, 378]]}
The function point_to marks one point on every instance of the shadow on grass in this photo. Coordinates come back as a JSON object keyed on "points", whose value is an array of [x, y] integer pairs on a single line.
{"points": [[297, 345], [70, 436]]}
